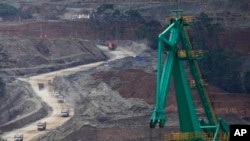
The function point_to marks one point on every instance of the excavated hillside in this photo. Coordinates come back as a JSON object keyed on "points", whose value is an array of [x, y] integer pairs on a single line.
{"points": [[21, 106], [115, 102], [112, 101], [23, 56]]}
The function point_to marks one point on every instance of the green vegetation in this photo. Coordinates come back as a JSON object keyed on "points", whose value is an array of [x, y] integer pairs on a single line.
{"points": [[222, 68], [219, 67], [116, 13], [149, 30], [8, 10], [1, 139], [104, 7], [133, 14]]}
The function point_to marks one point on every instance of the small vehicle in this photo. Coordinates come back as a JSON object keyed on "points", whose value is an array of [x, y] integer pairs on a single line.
{"points": [[112, 45], [64, 112], [41, 126], [106, 63], [56, 93], [50, 82], [18, 137], [60, 99], [40, 86]]}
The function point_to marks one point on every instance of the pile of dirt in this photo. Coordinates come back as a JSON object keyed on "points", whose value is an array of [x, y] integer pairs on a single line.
{"points": [[130, 83]]}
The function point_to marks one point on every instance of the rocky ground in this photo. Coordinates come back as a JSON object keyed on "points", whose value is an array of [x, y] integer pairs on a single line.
{"points": [[21, 105], [115, 104], [34, 56], [114, 101]]}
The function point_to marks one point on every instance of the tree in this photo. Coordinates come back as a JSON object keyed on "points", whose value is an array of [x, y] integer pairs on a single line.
{"points": [[134, 15], [219, 67], [116, 13], [9, 10], [104, 7], [149, 30], [207, 24]]}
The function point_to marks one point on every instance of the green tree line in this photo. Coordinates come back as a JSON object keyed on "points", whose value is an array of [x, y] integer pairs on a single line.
{"points": [[219, 66], [9, 10]]}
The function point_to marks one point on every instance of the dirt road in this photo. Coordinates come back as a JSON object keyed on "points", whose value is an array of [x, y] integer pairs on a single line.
{"points": [[53, 119]]}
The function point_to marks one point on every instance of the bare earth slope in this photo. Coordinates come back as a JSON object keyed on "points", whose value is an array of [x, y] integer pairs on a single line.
{"points": [[53, 119], [31, 55]]}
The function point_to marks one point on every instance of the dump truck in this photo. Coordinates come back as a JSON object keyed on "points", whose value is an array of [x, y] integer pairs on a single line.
{"points": [[65, 112], [41, 126], [56, 94], [112, 45], [50, 82], [60, 99], [40, 86], [18, 137]]}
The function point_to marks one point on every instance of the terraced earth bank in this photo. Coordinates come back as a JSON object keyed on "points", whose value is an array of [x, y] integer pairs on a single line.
{"points": [[111, 101]]}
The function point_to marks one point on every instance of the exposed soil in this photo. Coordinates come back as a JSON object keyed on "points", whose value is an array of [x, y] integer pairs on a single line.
{"points": [[53, 120], [108, 102], [32, 56]]}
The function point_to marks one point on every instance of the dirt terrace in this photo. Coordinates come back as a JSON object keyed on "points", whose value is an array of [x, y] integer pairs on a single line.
{"points": [[139, 84]]}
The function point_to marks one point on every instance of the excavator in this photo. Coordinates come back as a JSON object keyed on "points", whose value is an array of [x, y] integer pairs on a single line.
{"points": [[174, 48]]}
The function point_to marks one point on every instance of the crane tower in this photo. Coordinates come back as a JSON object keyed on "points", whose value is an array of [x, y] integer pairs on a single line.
{"points": [[175, 44]]}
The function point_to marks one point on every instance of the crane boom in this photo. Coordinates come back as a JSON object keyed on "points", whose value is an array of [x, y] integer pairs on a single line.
{"points": [[173, 66]]}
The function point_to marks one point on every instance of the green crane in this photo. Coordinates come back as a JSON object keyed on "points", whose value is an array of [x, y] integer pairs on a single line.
{"points": [[175, 44]]}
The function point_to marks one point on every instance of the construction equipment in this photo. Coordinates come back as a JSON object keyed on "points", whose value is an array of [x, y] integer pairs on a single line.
{"points": [[112, 45], [65, 112], [60, 99], [40, 86], [50, 82], [175, 44], [18, 137], [41, 126], [56, 94]]}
